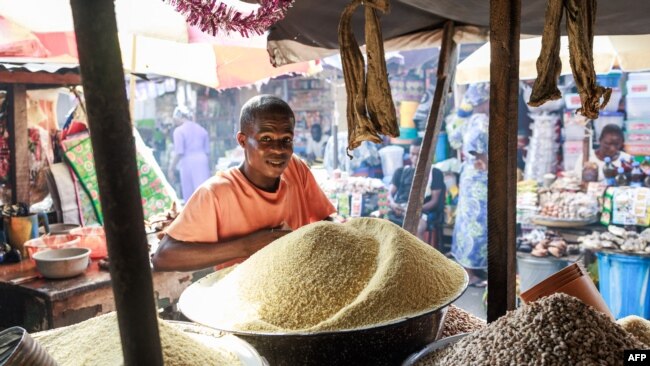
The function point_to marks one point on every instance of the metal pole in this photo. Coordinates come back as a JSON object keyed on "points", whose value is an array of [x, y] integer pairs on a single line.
{"points": [[114, 150], [505, 19], [447, 60]]}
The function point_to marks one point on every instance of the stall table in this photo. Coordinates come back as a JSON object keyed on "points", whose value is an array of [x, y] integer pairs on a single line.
{"points": [[36, 303]]}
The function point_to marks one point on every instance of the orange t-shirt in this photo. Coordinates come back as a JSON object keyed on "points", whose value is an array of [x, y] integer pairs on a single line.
{"points": [[228, 205]]}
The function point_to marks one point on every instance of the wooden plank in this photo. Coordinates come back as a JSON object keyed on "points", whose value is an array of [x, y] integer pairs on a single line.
{"points": [[447, 62], [26, 77], [18, 143], [113, 144], [505, 18]]}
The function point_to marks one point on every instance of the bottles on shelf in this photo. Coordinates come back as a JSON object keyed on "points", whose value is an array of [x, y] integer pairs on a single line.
{"points": [[621, 178]]}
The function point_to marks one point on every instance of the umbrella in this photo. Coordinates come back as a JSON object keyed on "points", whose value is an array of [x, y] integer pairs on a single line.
{"points": [[154, 39], [628, 52]]}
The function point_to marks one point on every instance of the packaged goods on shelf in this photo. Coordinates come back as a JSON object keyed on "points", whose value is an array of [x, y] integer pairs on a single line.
{"points": [[543, 147], [626, 206], [572, 100], [527, 200], [356, 196], [637, 106]]}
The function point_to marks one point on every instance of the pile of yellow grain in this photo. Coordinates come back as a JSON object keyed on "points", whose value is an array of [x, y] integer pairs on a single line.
{"points": [[637, 326], [328, 276], [96, 342]]}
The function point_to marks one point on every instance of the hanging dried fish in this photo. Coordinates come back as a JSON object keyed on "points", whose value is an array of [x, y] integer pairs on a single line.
{"points": [[370, 106], [549, 64], [380, 102], [581, 18]]}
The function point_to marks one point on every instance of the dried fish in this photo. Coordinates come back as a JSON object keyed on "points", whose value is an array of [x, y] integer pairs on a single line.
{"points": [[381, 108], [549, 64], [370, 105], [581, 17]]}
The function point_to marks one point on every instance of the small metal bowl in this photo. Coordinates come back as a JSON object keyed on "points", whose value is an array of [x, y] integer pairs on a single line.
{"points": [[62, 263]]}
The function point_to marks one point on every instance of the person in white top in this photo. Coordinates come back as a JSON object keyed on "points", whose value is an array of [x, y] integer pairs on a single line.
{"points": [[316, 144], [611, 144]]}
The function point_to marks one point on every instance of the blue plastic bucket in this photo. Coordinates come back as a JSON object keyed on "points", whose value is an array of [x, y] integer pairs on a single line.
{"points": [[624, 283]]}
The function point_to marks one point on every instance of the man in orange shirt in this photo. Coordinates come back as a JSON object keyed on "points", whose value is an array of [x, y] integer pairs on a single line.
{"points": [[239, 211]]}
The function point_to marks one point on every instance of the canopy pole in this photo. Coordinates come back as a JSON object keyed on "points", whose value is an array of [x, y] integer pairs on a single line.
{"points": [[113, 143], [505, 19], [18, 143], [447, 61]]}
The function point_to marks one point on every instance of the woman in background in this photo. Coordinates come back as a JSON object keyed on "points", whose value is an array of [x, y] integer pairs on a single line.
{"points": [[468, 132]]}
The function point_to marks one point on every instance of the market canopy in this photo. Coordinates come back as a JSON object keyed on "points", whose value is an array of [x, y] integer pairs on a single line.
{"points": [[41, 31], [630, 53], [309, 31]]}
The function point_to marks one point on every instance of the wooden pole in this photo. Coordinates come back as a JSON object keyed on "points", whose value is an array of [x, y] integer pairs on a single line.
{"points": [[447, 62], [505, 18], [18, 143], [115, 162]]}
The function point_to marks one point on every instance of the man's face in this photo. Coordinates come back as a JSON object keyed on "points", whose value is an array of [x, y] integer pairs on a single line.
{"points": [[268, 146], [414, 152], [611, 144]]}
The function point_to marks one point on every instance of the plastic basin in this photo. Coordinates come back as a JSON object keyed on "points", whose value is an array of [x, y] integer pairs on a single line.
{"points": [[51, 242], [93, 238]]}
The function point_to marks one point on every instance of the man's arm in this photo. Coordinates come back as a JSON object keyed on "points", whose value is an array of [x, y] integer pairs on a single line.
{"points": [[435, 197], [175, 255]]}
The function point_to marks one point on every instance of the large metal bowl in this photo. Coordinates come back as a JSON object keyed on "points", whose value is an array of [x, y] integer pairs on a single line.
{"points": [[382, 344]]}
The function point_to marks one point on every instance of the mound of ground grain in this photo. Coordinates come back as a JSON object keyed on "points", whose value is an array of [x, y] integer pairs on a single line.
{"points": [[555, 330], [96, 342], [638, 327], [459, 321], [328, 276]]}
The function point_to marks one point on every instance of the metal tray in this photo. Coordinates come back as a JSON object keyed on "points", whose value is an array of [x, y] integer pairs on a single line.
{"points": [[555, 222]]}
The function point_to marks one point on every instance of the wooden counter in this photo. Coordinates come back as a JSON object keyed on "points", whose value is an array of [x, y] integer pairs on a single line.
{"points": [[40, 304]]}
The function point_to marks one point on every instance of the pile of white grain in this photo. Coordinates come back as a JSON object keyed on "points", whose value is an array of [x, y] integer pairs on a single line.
{"points": [[555, 330], [638, 327], [328, 276], [96, 342]]}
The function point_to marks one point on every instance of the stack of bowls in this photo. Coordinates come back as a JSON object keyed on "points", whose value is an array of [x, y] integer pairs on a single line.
{"points": [[572, 280]]}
